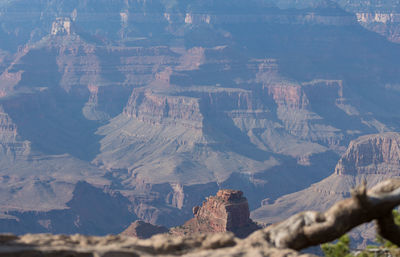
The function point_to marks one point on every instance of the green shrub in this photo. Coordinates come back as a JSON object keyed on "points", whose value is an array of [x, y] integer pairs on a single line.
{"points": [[340, 249], [387, 243]]}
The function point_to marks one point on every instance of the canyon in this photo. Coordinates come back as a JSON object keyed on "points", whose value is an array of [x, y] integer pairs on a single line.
{"points": [[286, 238], [124, 111]]}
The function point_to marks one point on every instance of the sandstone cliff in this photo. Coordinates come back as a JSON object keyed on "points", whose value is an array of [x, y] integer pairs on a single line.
{"points": [[371, 154], [151, 107], [227, 211]]}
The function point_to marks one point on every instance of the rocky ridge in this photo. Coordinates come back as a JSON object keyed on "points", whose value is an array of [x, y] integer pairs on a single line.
{"points": [[370, 158], [371, 154]]}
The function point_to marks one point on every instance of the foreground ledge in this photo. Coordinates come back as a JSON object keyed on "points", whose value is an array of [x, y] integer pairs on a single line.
{"points": [[45, 245]]}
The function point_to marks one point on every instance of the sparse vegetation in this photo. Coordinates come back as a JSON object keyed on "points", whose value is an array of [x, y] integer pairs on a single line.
{"points": [[384, 248], [340, 249], [384, 242]]}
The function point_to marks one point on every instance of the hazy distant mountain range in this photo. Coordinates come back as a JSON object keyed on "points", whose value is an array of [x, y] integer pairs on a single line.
{"points": [[113, 111]]}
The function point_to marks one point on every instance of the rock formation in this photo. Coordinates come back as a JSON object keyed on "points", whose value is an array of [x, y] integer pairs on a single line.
{"points": [[151, 107], [62, 26], [164, 102], [143, 230], [227, 211], [300, 231], [11, 144], [370, 158], [382, 18], [372, 154]]}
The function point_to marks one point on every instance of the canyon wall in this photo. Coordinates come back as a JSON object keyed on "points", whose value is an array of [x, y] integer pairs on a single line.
{"points": [[370, 158], [152, 106]]}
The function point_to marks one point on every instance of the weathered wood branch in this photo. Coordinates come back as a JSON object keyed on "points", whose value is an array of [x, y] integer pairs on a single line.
{"points": [[313, 228], [388, 229]]}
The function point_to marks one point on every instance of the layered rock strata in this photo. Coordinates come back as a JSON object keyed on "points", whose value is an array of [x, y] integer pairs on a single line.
{"points": [[371, 154], [227, 211], [10, 144], [223, 101], [300, 231], [370, 158], [380, 17]]}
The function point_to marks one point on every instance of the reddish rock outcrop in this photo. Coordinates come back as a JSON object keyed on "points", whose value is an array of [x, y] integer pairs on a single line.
{"points": [[143, 230], [227, 211], [298, 96]]}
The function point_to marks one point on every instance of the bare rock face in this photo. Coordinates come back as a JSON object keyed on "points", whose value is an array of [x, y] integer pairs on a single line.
{"points": [[380, 17], [141, 229], [11, 146], [295, 103], [227, 211], [370, 158], [385, 23], [371, 154], [155, 108], [61, 26]]}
